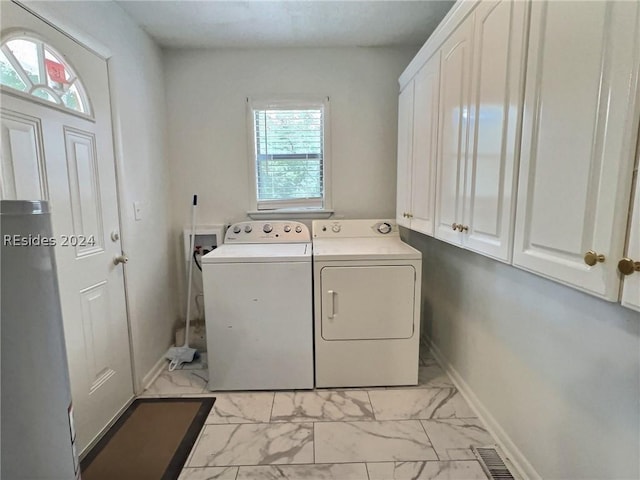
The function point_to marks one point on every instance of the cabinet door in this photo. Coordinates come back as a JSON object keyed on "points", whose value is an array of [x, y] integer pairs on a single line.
{"points": [[579, 130], [455, 66], [499, 56], [425, 135], [405, 146], [631, 284]]}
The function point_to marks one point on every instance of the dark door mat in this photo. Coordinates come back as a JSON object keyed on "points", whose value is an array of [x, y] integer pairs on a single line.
{"points": [[150, 441]]}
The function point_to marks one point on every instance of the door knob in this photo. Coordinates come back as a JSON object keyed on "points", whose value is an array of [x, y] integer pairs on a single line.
{"points": [[120, 259], [454, 226], [626, 266], [591, 258], [463, 228]]}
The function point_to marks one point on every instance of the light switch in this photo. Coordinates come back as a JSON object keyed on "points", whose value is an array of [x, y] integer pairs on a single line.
{"points": [[137, 210]]}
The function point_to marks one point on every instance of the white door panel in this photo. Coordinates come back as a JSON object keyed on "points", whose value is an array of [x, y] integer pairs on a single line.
{"points": [[455, 76], [78, 169], [370, 302], [22, 168], [84, 189], [425, 135], [496, 99], [405, 154], [578, 141]]}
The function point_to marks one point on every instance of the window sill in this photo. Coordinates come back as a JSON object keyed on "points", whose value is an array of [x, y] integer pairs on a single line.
{"points": [[290, 214]]}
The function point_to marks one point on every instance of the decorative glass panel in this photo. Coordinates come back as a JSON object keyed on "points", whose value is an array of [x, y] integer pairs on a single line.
{"points": [[44, 94], [26, 53], [9, 76], [31, 66]]}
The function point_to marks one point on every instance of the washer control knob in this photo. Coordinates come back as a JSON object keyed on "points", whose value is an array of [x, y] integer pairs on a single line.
{"points": [[248, 229], [384, 228], [268, 228], [336, 228], [298, 229], [287, 228], [236, 229]]}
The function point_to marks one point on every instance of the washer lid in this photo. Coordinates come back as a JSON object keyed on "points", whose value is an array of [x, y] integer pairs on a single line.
{"points": [[259, 253], [348, 249]]}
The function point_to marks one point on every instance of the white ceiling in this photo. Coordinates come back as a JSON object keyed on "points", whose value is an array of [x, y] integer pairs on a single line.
{"points": [[287, 23]]}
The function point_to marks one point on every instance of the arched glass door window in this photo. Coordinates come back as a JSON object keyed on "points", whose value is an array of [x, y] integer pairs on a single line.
{"points": [[29, 65]]}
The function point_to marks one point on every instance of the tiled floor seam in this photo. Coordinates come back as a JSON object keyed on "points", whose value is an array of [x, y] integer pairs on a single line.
{"points": [[429, 438], [193, 448], [373, 412], [273, 401], [313, 439]]}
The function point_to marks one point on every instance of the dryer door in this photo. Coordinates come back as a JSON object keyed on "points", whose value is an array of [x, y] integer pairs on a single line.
{"points": [[367, 302]]}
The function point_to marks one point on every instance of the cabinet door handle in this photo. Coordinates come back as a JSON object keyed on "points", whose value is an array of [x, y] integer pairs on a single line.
{"points": [[591, 258], [332, 294], [626, 266], [454, 226]]}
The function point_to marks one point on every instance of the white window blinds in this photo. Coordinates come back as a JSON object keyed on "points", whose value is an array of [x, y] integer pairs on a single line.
{"points": [[289, 155]]}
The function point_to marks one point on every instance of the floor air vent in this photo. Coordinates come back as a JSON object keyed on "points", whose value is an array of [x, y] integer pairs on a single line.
{"points": [[492, 463]]}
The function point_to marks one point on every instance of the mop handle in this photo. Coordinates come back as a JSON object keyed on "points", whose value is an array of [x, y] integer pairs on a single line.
{"points": [[190, 268]]}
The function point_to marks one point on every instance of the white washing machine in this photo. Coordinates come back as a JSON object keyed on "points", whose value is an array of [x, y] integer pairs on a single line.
{"points": [[367, 304], [259, 308]]}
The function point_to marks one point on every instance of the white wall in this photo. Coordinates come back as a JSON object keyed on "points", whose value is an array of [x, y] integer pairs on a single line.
{"points": [[136, 74], [207, 126], [559, 370], [206, 98]]}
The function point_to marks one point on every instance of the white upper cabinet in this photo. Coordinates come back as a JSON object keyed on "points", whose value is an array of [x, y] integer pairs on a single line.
{"points": [[425, 135], [579, 136], [455, 76], [481, 105], [405, 149], [629, 266], [495, 114], [417, 137]]}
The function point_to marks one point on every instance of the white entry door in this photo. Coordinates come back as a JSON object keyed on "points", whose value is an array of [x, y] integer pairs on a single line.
{"points": [[52, 153]]}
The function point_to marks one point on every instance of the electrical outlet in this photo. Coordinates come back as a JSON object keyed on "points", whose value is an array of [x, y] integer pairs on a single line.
{"points": [[137, 210]]}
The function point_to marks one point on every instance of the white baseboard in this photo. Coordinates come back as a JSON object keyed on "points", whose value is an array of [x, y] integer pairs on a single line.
{"points": [[511, 451], [154, 373]]}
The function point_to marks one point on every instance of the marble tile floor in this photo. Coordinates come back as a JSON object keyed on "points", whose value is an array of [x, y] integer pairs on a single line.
{"points": [[418, 432]]}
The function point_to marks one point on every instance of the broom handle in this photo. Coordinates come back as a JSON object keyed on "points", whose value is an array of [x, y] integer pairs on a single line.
{"points": [[190, 268]]}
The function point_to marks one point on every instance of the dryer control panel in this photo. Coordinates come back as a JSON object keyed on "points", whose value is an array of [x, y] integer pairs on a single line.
{"points": [[268, 232], [354, 228]]}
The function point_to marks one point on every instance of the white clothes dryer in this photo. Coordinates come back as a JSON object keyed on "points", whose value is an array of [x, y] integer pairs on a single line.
{"points": [[367, 304], [259, 308]]}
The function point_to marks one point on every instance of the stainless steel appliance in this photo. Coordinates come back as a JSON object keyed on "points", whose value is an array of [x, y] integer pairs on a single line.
{"points": [[37, 433]]}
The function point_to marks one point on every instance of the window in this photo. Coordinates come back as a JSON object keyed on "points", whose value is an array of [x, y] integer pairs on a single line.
{"points": [[30, 66], [289, 160]]}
